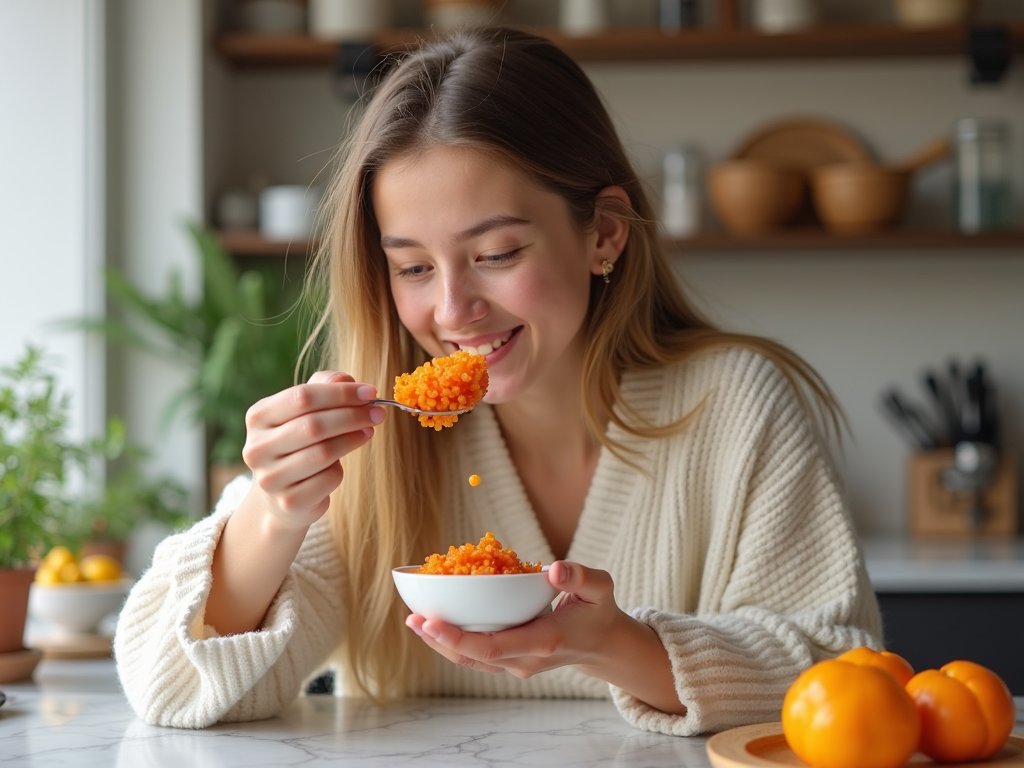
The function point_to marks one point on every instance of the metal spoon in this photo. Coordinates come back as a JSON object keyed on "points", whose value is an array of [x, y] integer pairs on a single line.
{"points": [[410, 409]]}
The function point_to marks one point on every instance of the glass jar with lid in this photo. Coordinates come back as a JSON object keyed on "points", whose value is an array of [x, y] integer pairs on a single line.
{"points": [[982, 178]]}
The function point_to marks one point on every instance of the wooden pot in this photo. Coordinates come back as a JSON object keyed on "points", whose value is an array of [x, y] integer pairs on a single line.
{"points": [[14, 585], [752, 196], [853, 198]]}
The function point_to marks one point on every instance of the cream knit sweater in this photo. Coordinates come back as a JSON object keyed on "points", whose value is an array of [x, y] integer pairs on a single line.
{"points": [[734, 545]]}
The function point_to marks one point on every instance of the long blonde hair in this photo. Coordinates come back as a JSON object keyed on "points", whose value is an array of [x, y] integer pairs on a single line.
{"points": [[521, 98]]}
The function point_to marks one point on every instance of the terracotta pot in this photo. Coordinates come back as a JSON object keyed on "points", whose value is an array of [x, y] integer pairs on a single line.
{"points": [[751, 196], [851, 198], [14, 585]]}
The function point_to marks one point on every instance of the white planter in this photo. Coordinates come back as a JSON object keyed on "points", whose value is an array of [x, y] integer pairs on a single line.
{"points": [[348, 19], [775, 16]]}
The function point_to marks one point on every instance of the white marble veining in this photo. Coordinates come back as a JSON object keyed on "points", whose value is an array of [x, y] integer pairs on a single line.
{"points": [[75, 714], [945, 565]]}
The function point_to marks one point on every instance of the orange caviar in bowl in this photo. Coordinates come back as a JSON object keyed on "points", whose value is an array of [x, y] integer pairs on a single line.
{"points": [[488, 558], [452, 383]]}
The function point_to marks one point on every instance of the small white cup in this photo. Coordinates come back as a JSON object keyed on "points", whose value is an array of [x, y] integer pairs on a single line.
{"points": [[288, 211], [777, 16], [348, 19]]}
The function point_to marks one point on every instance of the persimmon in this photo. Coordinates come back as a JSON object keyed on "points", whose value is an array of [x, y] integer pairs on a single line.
{"points": [[838, 714], [892, 663], [966, 711]]}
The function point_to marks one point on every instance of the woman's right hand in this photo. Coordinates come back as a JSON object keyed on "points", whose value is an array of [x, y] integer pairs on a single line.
{"points": [[295, 438]]}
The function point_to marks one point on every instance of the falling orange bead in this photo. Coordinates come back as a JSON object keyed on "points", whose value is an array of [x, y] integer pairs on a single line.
{"points": [[474, 480]]}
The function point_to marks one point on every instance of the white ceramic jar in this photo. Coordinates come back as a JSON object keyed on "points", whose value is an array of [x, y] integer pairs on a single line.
{"points": [[288, 211], [775, 16], [348, 19], [580, 18]]}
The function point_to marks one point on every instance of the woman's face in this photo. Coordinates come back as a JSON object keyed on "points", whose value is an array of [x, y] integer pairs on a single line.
{"points": [[482, 258]]}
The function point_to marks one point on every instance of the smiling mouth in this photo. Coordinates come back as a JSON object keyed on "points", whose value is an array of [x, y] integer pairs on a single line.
{"points": [[489, 346]]}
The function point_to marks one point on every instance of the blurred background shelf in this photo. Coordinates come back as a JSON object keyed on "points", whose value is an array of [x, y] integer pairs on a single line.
{"points": [[621, 45], [1009, 242]]}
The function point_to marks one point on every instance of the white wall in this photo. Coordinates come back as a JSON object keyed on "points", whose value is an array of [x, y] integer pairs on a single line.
{"points": [[51, 177], [156, 160]]}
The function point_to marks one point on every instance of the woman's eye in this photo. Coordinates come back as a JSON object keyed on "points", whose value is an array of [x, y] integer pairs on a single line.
{"points": [[415, 271], [497, 259]]}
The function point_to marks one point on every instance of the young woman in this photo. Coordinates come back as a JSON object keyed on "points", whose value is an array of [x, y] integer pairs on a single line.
{"points": [[671, 472]]}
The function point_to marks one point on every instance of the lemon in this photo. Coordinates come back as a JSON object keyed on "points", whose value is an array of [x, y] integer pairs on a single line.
{"points": [[47, 575], [100, 568], [57, 558], [69, 573]]}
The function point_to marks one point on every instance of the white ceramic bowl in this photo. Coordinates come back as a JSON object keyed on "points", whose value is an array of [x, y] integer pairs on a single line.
{"points": [[476, 603], [77, 608]]}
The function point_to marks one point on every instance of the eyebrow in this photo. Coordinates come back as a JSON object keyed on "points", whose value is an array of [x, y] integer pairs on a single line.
{"points": [[485, 226]]}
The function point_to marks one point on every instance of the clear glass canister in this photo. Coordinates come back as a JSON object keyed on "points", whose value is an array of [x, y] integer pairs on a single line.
{"points": [[982, 183], [682, 198]]}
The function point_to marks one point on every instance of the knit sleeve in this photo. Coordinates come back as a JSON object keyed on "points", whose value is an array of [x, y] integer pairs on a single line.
{"points": [[177, 671], [784, 583]]}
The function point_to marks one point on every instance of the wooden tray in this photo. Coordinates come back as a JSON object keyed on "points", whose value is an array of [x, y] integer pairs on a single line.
{"points": [[84, 646], [764, 746], [18, 665], [804, 145]]}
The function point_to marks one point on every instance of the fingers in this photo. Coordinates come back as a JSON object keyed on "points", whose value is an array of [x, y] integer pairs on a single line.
{"points": [[280, 477], [588, 584], [325, 390], [308, 431], [436, 634]]}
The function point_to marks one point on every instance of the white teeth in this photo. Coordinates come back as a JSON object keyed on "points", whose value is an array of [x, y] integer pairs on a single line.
{"points": [[483, 349]]}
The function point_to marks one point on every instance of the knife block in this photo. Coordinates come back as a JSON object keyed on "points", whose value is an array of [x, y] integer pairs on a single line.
{"points": [[937, 511]]}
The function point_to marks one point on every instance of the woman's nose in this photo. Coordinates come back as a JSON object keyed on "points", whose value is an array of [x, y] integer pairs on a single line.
{"points": [[459, 303]]}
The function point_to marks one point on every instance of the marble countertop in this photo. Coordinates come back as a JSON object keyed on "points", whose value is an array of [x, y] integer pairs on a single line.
{"points": [[944, 565], [74, 713]]}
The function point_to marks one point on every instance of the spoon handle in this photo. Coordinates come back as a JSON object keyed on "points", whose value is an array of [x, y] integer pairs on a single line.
{"points": [[410, 409]]}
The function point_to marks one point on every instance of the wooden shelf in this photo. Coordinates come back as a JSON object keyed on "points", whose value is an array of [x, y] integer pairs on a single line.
{"points": [[704, 44], [1010, 242], [251, 243], [247, 242]]}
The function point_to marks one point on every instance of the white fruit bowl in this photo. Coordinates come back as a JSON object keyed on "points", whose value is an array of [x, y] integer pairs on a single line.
{"points": [[77, 608], [476, 603]]}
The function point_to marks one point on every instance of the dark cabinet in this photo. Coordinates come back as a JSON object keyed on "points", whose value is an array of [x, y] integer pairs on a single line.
{"points": [[930, 629]]}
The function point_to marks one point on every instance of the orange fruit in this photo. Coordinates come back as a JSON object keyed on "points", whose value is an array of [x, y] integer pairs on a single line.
{"points": [[843, 715], [966, 711], [892, 663]]}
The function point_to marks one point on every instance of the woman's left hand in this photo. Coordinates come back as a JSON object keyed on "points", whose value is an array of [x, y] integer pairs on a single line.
{"points": [[577, 633]]}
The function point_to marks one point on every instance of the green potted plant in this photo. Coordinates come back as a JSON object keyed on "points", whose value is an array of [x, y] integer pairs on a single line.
{"points": [[241, 339], [35, 460], [102, 522]]}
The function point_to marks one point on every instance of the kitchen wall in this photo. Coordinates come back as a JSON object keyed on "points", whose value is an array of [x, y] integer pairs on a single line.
{"points": [[864, 319], [51, 167], [155, 169]]}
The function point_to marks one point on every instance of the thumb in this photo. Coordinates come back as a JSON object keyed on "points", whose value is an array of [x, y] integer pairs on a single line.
{"points": [[589, 584]]}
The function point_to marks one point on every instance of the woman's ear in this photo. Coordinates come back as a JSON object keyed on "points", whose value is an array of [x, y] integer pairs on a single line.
{"points": [[611, 227]]}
